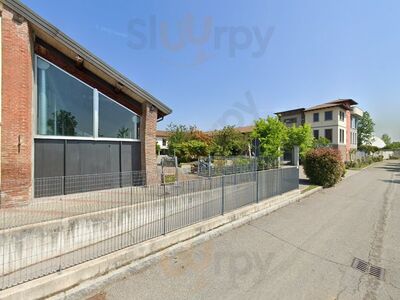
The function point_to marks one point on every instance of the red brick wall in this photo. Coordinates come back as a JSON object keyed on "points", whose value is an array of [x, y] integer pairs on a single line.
{"points": [[148, 137], [16, 130]]}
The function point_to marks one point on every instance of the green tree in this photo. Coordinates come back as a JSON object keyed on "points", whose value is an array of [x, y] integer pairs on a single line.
{"points": [[394, 146], [177, 135], [228, 141], [321, 142], [272, 135], [368, 149], [300, 136], [191, 150], [366, 128], [187, 142], [123, 132], [386, 138], [62, 123]]}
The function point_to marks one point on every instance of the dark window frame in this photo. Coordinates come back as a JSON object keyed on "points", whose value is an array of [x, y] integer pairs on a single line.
{"points": [[342, 116], [331, 134], [330, 114], [316, 133], [341, 136]]}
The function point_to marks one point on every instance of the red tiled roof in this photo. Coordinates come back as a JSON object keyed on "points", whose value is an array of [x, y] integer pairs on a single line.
{"points": [[245, 129], [162, 133], [346, 103]]}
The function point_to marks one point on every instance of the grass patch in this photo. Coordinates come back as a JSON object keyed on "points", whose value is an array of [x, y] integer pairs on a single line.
{"points": [[309, 188], [169, 178]]}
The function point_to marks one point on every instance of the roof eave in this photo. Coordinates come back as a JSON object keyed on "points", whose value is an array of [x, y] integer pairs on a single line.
{"points": [[38, 21], [290, 111]]}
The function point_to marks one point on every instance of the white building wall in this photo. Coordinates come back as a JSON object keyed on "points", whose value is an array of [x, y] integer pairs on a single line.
{"points": [[335, 124], [162, 142]]}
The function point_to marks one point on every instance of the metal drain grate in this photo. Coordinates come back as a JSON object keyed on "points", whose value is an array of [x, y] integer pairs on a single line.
{"points": [[360, 265], [366, 267], [377, 272]]}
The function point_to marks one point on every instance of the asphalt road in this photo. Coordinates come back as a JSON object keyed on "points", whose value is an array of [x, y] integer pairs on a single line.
{"points": [[303, 251]]}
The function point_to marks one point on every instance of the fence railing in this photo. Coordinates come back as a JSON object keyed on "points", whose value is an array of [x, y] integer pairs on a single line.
{"points": [[84, 226], [64, 185], [217, 166]]}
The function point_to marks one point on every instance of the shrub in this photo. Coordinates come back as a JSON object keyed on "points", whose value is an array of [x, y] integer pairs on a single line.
{"points": [[190, 150], [324, 166], [321, 142], [368, 149], [351, 164]]}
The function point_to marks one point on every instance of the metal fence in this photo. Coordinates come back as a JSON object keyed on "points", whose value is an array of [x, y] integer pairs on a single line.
{"points": [[84, 226], [217, 166], [64, 185]]}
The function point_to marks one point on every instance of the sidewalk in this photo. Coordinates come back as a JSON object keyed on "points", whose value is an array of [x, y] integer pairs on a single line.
{"points": [[302, 251], [305, 183]]}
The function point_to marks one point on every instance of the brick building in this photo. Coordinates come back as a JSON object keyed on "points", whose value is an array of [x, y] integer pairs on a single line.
{"points": [[64, 111]]}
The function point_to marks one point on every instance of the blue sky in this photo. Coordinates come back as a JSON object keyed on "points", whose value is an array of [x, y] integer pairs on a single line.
{"points": [[245, 59]]}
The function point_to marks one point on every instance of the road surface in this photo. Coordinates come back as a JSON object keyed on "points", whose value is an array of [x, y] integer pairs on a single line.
{"points": [[303, 251]]}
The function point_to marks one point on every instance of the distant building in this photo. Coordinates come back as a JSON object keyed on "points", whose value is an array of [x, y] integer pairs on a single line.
{"points": [[245, 129], [336, 120], [162, 141], [378, 142]]}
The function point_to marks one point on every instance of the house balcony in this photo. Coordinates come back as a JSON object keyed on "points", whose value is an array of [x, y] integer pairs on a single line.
{"points": [[356, 111]]}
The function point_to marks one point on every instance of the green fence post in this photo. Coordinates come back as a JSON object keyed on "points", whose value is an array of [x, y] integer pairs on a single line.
{"points": [[165, 211], [223, 194]]}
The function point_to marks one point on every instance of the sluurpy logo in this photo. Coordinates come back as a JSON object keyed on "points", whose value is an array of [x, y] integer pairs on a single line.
{"points": [[204, 37], [206, 259]]}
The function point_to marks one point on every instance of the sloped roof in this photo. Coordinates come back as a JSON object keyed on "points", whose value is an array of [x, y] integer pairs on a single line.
{"points": [[378, 142], [162, 133], [245, 129], [340, 102], [345, 103], [293, 111], [44, 27]]}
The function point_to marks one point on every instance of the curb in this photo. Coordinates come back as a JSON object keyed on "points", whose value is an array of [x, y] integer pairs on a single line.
{"points": [[88, 278], [93, 286], [312, 191]]}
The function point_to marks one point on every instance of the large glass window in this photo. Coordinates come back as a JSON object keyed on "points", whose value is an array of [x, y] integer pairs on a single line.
{"points": [[65, 105], [115, 121]]}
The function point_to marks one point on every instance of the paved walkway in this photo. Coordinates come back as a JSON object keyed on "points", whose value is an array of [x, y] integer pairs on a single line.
{"points": [[303, 251], [305, 183]]}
